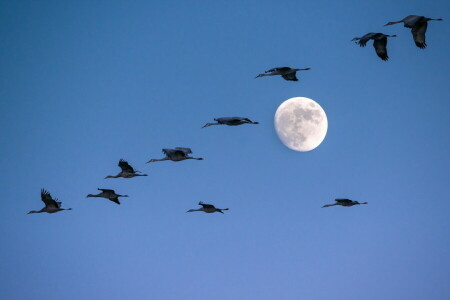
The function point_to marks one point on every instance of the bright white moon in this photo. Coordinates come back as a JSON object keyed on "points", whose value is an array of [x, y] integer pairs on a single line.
{"points": [[301, 124]]}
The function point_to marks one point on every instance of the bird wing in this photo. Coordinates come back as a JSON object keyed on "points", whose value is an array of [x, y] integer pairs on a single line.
{"points": [[126, 167], [290, 76], [365, 38], [48, 200], [206, 205], [168, 152], [228, 119], [175, 153], [411, 21], [115, 200], [343, 200], [418, 33], [380, 48], [186, 151], [107, 191], [280, 69]]}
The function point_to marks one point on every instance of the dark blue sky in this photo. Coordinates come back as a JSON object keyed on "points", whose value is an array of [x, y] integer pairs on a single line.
{"points": [[84, 84]]}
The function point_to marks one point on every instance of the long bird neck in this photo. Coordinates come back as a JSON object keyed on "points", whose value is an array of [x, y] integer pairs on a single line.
{"points": [[111, 176], [430, 19], [210, 124], [158, 159], [90, 195], [395, 22], [199, 209], [268, 74]]}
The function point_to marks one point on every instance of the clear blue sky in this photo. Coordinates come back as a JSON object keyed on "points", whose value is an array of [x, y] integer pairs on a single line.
{"points": [[84, 84]]}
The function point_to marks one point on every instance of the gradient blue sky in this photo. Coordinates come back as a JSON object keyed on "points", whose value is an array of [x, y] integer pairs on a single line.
{"points": [[84, 84]]}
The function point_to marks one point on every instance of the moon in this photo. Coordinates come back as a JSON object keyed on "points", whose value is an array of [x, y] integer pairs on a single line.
{"points": [[301, 124]]}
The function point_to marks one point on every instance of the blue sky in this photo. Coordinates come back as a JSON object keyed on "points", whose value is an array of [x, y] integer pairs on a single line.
{"points": [[84, 84]]}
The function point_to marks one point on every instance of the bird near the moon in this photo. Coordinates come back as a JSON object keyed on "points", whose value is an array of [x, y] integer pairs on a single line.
{"points": [[301, 124]]}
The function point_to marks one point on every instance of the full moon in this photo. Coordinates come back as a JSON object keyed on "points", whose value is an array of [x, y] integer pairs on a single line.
{"points": [[301, 124]]}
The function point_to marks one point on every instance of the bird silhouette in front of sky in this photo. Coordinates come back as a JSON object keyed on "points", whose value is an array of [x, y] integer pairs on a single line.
{"points": [[108, 194], [285, 72], [208, 208], [51, 205], [344, 202], [379, 43], [176, 154], [230, 121], [418, 25], [127, 171]]}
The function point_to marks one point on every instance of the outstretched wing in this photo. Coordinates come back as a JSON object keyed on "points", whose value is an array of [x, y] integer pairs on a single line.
{"points": [[380, 48], [411, 21], [115, 200], [290, 76], [206, 205], [126, 167], [48, 200], [107, 191], [418, 33], [230, 120], [186, 151], [279, 69], [365, 38], [343, 201], [171, 152]]}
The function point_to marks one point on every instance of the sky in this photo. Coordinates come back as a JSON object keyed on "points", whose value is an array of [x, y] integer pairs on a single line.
{"points": [[86, 83]]}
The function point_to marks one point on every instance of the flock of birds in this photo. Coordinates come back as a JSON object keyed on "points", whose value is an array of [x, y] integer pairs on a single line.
{"points": [[418, 25]]}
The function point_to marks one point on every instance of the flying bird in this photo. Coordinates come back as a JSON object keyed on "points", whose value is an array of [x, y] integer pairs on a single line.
{"points": [[418, 25], [208, 208], [285, 72], [379, 43], [177, 154], [108, 194], [127, 171], [344, 202], [51, 205], [230, 121]]}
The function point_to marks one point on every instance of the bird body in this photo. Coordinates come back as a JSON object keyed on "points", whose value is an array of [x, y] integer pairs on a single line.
{"points": [[286, 72], [344, 202], [230, 121], [127, 171], [208, 208], [418, 25], [379, 43], [176, 154], [108, 194], [51, 205]]}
